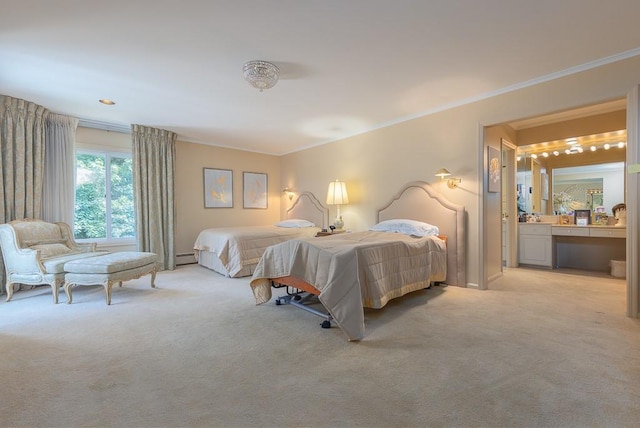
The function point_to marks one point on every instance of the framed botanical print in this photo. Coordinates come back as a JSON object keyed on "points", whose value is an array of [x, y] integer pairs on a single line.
{"points": [[255, 190], [218, 188]]}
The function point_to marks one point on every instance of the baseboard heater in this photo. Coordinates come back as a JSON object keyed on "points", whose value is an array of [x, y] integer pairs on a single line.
{"points": [[185, 259]]}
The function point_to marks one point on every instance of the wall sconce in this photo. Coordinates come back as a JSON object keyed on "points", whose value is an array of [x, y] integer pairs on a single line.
{"points": [[288, 192], [451, 182]]}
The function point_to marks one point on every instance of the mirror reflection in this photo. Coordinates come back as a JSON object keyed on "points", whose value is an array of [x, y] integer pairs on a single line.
{"points": [[593, 187]]}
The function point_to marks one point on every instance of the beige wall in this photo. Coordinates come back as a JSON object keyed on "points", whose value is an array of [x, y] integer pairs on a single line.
{"points": [[376, 164], [191, 215]]}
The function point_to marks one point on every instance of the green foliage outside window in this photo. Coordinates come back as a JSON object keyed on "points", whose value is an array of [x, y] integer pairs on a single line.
{"points": [[122, 213], [96, 216]]}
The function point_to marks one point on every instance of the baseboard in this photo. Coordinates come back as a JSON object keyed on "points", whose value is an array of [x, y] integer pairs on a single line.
{"points": [[185, 259]]}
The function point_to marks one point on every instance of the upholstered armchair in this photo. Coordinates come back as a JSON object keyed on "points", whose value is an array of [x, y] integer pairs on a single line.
{"points": [[35, 251]]}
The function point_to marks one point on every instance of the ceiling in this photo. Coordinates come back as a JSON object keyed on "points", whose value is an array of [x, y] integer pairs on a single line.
{"points": [[346, 66]]}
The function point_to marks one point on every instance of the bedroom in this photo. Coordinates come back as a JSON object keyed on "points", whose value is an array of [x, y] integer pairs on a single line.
{"points": [[374, 163], [176, 356]]}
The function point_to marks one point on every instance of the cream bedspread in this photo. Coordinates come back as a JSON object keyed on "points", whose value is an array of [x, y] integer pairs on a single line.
{"points": [[239, 246], [353, 271]]}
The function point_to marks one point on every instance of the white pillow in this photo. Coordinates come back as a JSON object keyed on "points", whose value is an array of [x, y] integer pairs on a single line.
{"points": [[408, 227], [295, 223]]}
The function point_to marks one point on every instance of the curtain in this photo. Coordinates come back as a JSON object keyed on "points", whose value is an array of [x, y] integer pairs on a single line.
{"points": [[21, 158], [21, 161], [59, 188], [153, 191]]}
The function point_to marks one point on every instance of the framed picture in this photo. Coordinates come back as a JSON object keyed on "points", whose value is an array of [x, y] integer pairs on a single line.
{"points": [[218, 188], [600, 218], [582, 217], [494, 166], [254, 190], [566, 219]]}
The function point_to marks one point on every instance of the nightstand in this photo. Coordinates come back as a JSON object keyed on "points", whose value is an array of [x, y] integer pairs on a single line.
{"points": [[335, 232]]}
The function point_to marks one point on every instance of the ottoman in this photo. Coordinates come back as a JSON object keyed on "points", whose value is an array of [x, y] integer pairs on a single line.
{"points": [[107, 269]]}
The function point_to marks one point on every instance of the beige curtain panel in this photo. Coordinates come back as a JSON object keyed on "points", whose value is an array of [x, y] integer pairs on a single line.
{"points": [[21, 161], [153, 191]]}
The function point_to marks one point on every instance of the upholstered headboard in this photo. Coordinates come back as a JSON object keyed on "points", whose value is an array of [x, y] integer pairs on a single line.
{"points": [[419, 201], [307, 207]]}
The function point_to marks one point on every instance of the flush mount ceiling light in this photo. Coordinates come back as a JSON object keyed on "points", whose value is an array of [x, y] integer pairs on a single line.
{"points": [[261, 74]]}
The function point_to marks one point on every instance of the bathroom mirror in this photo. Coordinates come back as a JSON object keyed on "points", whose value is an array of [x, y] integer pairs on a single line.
{"points": [[588, 187]]}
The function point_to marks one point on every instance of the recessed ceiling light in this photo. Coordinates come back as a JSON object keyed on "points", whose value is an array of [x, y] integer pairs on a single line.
{"points": [[621, 144], [107, 102]]}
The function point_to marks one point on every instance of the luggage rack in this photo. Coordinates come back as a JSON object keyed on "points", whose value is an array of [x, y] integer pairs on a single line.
{"points": [[302, 299]]}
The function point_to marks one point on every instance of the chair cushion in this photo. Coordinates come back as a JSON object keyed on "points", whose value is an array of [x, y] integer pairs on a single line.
{"points": [[110, 263]]}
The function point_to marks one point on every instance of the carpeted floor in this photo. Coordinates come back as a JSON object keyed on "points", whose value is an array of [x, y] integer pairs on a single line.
{"points": [[539, 349]]}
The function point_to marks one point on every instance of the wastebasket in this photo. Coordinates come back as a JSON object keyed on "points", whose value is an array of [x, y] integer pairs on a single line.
{"points": [[618, 268]]}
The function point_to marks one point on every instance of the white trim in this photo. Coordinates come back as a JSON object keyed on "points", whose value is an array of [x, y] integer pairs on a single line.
{"points": [[633, 204]]}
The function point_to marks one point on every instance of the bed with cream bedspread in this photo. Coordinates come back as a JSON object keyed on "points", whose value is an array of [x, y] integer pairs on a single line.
{"points": [[234, 251], [237, 247], [354, 270]]}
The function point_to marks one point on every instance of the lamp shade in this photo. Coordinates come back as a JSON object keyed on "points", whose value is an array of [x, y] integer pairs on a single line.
{"points": [[337, 193]]}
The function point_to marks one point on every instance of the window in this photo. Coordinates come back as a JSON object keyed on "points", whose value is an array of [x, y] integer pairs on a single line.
{"points": [[104, 196]]}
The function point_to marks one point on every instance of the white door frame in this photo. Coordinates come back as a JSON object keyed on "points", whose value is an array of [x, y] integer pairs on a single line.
{"points": [[633, 203], [511, 205]]}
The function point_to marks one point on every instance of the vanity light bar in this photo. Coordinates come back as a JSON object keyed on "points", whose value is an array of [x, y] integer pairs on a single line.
{"points": [[575, 148]]}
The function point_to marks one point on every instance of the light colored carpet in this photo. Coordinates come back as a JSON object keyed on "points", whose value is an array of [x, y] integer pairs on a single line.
{"points": [[539, 349]]}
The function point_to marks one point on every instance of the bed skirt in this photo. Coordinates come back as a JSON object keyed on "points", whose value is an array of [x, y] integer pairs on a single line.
{"points": [[211, 261]]}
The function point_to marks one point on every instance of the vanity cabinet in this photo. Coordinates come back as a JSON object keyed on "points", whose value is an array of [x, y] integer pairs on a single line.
{"points": [[588, 247], [535, 245]]}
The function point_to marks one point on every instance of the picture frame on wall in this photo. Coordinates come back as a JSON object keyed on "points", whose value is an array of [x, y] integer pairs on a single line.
{"points": [[493, 169], [218, 188], [255, 190]]}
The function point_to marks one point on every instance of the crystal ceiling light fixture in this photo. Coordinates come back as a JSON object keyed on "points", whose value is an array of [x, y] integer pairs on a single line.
{"points": [[261, 74]]}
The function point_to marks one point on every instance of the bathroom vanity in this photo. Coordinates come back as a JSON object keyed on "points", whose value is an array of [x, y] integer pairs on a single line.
{"points": [[553, 245]]}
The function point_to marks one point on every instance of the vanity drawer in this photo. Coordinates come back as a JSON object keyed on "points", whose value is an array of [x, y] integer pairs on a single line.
{"points": [[534, 229], [570, 231], [609, 233]]}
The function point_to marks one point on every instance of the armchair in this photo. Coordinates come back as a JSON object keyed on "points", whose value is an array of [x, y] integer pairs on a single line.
{"points": [[35, 252]]}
